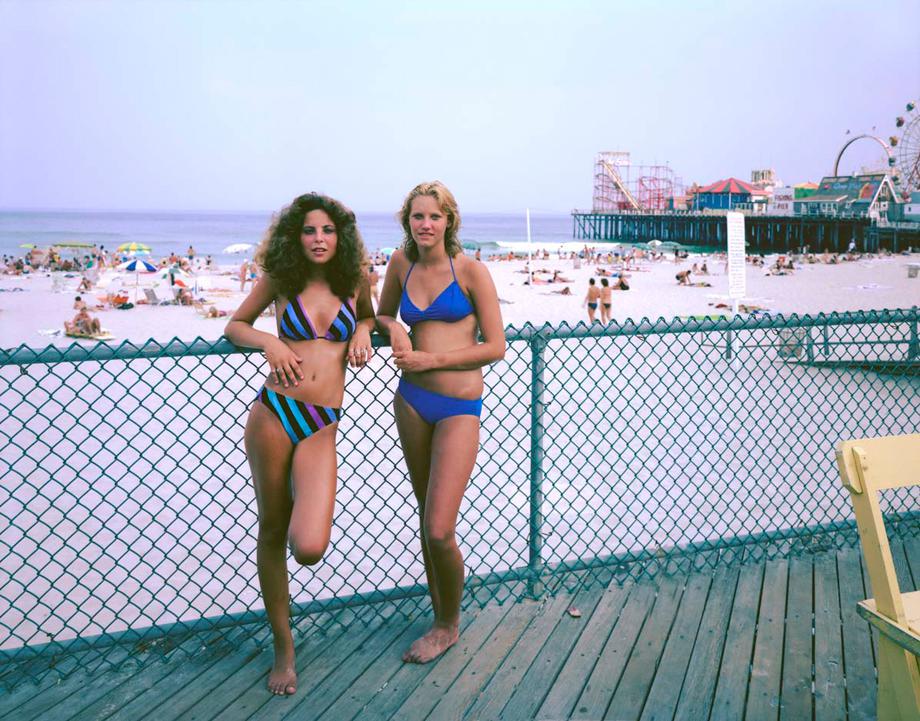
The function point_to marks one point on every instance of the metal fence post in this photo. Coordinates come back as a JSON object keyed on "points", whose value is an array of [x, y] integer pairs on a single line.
{"points": [[913, 346], [809, 346], [535, 562]]}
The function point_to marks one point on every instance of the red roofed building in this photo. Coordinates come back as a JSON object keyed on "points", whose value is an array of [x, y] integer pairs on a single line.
{"points": [[724, 194]]}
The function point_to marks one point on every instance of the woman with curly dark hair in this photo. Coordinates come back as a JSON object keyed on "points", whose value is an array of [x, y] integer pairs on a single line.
{"points": [[448, 300], [313, 257]]}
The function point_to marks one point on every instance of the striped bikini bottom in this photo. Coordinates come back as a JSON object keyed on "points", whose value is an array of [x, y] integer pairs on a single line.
{"points": [[300, 420]]}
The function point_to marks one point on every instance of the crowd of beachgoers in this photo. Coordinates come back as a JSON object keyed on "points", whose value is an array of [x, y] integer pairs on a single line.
{"points": [[70, 296]]}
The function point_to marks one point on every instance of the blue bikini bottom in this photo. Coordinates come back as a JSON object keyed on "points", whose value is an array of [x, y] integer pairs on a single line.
{"points": [[300, 420], [434, 407]]}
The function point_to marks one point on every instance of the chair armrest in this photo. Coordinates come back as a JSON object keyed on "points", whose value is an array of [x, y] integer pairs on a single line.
{"points": [[903, 636]]}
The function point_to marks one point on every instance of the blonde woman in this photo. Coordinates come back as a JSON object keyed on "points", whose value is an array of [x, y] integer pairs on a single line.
{"points": [[447, 299]]}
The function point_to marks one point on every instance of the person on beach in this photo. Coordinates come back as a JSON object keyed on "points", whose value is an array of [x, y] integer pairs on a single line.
{"points": [[683, 278], [373, 279], [447, 299], [591, 299], [244, 275], [605, 300], [83, 323], [313, 259]]}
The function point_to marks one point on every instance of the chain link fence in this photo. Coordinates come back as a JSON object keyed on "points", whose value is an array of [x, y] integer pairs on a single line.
{"points": [[607, 453]]}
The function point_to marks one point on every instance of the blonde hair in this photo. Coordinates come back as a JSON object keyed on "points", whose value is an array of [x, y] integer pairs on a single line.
{"points": [[448, 204]]}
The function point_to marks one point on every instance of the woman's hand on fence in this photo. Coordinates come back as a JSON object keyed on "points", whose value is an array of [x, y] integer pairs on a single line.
{"points": [[359, 348]]}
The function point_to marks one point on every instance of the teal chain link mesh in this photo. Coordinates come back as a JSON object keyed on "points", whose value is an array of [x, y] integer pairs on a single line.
{"points": [[619, 452]]}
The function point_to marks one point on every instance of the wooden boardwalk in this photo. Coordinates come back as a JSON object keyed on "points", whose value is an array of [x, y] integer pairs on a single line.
{"points": [[775, 640]]}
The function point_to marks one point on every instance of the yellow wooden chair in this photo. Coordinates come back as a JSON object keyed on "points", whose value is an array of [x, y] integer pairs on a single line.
{"points": [[868, 466]]}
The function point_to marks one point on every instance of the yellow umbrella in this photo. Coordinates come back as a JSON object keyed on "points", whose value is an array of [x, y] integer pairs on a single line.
{"points": [[133, 248], [73, 244]]}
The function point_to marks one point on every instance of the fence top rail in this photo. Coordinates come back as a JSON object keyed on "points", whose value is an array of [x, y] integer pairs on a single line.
{"points": [[75, 353]]}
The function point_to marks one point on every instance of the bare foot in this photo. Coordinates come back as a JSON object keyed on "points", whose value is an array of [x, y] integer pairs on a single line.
{"points": [[435, 642], [282, 679]]}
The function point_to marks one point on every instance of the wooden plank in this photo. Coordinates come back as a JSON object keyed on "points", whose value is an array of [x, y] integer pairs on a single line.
{"points": [[639, 673], [664, 694], [530, 692], [143, 679], [453, 702], [51, 689], [338, 682], [703, 668], [375, 676], [258, 703], [901, 566], [731, 687], [602, 683], [867, 593], [438, 674], [830, 696], [767, 665], [858, 662], [513, 666], [796, 693], [96, 687], [912, 551], [27, 702], [184, 684], [236, 682], [567, 687]]}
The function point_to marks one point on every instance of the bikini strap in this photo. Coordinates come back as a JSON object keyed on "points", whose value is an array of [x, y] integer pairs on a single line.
{"points": [[406, 281], [452, 269]]}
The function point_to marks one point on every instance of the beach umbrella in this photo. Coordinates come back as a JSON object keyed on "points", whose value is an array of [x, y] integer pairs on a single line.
{"points": [[388, 251], [237, 248], [27, 245], [137, 266], [175, 271], [654, 243], [73, 244], [133, 248]]}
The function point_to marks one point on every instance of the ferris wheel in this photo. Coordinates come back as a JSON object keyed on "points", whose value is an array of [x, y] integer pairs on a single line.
{"points": [[905, 157]]}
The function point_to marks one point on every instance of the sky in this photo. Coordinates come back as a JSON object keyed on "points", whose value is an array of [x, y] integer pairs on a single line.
{"points": [[223, 105]]}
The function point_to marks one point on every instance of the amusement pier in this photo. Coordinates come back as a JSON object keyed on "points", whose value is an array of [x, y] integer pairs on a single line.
{"points": [[878, 209]]}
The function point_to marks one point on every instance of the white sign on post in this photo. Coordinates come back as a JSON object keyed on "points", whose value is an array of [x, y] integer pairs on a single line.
{"points": [[737, 269]]}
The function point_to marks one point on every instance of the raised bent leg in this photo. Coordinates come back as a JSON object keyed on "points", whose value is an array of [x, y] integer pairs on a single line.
{"points": [[313, 478]]}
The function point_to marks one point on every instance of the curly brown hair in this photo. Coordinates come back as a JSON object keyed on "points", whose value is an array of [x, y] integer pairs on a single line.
{"points": [[281, 253], [437, 190]]}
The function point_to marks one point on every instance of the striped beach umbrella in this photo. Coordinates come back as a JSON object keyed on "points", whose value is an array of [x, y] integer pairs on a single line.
{"points": [[137, 266], [133, 248]]}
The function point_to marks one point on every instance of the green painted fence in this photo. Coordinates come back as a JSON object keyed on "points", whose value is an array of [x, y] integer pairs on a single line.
{"points": [[607, 453]]}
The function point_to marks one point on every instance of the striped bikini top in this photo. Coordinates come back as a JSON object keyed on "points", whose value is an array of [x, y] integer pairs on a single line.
{"points": [[450, 306], [296, 324]]}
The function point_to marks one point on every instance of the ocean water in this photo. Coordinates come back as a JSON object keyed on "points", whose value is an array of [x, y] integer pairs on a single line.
{"points": [[210, 233]]}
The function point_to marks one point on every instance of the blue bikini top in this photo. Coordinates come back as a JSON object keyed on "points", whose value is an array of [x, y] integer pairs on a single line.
{"points": [[296, 325], [450, 306]]}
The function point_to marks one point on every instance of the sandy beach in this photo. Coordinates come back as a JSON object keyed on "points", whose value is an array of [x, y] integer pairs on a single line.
{"points": [[31, 312]]}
